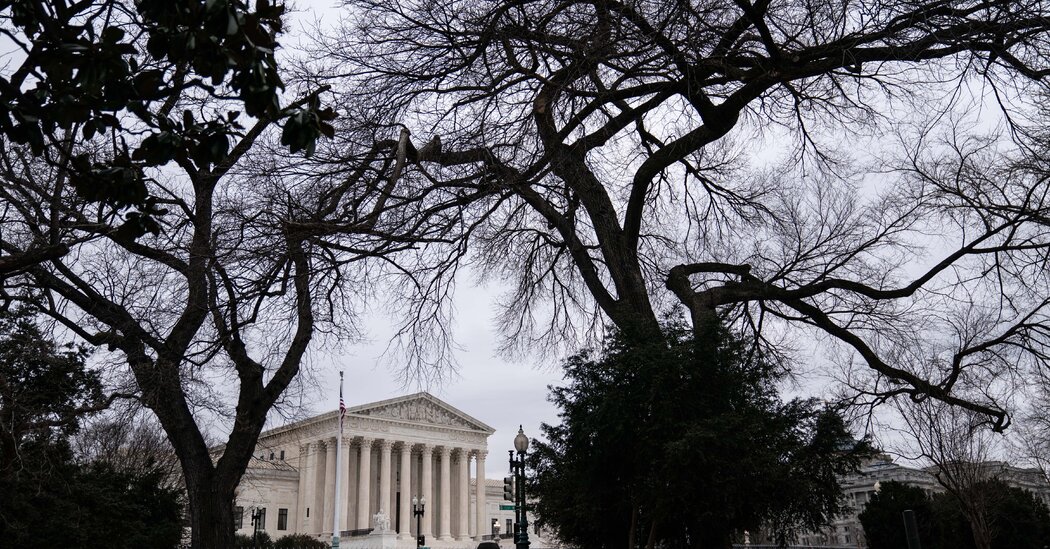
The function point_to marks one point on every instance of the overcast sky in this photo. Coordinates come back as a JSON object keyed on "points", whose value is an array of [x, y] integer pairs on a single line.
{"points": [[498, 392], [501, 393]]}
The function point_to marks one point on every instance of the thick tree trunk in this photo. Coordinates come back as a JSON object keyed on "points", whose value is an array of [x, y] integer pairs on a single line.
{"points": [[210, 510], [210, 486]]}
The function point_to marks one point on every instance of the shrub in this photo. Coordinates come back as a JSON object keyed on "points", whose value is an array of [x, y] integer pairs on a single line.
{"points": [[263, 541], [299, 541]]}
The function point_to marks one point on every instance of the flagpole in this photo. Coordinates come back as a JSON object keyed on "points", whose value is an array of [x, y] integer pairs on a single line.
{"points": [[338, 468]]}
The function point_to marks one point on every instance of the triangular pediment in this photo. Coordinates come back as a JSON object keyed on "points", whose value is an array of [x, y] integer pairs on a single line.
{"points": [[420, 408]]}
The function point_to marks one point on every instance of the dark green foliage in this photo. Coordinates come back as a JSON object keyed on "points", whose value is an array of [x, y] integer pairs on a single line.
{"points": [[882, 519], [88, 506], [95, 505], [47, 499], [44, 392], [948, 527], [299, 541], [99, 59], [1018, 520], [689, 442], [261, 540]]}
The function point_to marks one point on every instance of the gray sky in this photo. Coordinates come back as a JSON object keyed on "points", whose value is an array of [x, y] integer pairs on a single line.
{"points": [[501, 393]]}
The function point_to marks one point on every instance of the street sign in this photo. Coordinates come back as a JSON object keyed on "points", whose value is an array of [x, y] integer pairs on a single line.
{"points": [[506, 507]]}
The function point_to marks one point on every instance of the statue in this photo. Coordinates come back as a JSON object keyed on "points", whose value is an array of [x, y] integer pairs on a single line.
{"points": [[382, 522]]}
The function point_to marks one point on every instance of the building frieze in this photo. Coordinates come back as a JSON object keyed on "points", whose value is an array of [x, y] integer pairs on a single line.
{"points": [[418, 420]]}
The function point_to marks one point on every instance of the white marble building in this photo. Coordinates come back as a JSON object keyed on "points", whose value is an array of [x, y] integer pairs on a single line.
{"points": [[392, 450], [858, 488]]}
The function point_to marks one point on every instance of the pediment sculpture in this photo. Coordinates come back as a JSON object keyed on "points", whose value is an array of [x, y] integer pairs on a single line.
{"points": [[419, 411]]}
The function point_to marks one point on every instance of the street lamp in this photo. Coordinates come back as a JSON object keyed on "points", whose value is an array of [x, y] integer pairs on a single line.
{"points": [[521, 442], [517, 467], [256, 520], [418, 505]]}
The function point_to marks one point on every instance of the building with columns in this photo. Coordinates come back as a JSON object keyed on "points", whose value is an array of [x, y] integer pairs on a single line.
{"points": [[392, 451], [859, 487]]}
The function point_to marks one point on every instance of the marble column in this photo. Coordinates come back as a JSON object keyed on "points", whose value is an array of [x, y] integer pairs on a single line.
{"points": [[329, 485], [406, 492], [364, 483], [302, 501], [481, 507], [444, 528], [463, 522], [350, 507], [344, 483], [385, 468], [319, 465], [428, 494]]}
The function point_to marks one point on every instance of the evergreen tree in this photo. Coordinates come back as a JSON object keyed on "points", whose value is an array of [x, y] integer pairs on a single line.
{"points": [[45, 393], [1018, 519], [45, 390], [684, 443], [883, 519]]}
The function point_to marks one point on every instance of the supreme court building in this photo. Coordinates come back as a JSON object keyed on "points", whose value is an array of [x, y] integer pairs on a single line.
{"points": [[395, 449]]}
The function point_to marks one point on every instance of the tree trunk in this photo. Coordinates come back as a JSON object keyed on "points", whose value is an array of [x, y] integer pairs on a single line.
{"points": [[982, 535], [210, 510], [652, 536], [634, 527]]}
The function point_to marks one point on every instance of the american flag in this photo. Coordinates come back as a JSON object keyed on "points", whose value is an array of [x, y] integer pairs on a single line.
{"points": [[342, 405]]}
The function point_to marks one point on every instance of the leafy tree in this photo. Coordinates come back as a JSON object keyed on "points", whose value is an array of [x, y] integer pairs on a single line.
{"points": [[114, 72], [141, 507], [883, 521], [682, 443], [1021, 521], [45, 393]]}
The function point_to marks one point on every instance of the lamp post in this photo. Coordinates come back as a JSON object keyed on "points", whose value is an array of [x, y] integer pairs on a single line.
{"points": [[517, 466], [418, 505], [256, 519]]}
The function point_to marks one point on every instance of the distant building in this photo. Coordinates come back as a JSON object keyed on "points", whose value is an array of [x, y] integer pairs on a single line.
{"points": [[392, 451], [859, 487]]}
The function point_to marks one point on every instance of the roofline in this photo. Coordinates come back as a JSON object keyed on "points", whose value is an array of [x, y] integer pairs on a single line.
{"points": [[427, 396], [353, 410]]}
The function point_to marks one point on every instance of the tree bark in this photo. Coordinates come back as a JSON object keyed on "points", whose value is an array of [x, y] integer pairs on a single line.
{"points": [[634, 527], [210, 509]]}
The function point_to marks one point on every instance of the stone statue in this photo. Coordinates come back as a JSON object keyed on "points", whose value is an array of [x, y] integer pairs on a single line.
{"points": [[382, 522]]}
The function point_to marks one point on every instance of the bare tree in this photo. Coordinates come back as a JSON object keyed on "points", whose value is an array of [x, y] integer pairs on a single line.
{"points": [[961, 449], [251, 264], [629, 156], [132, 442], [1030, 442]]}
